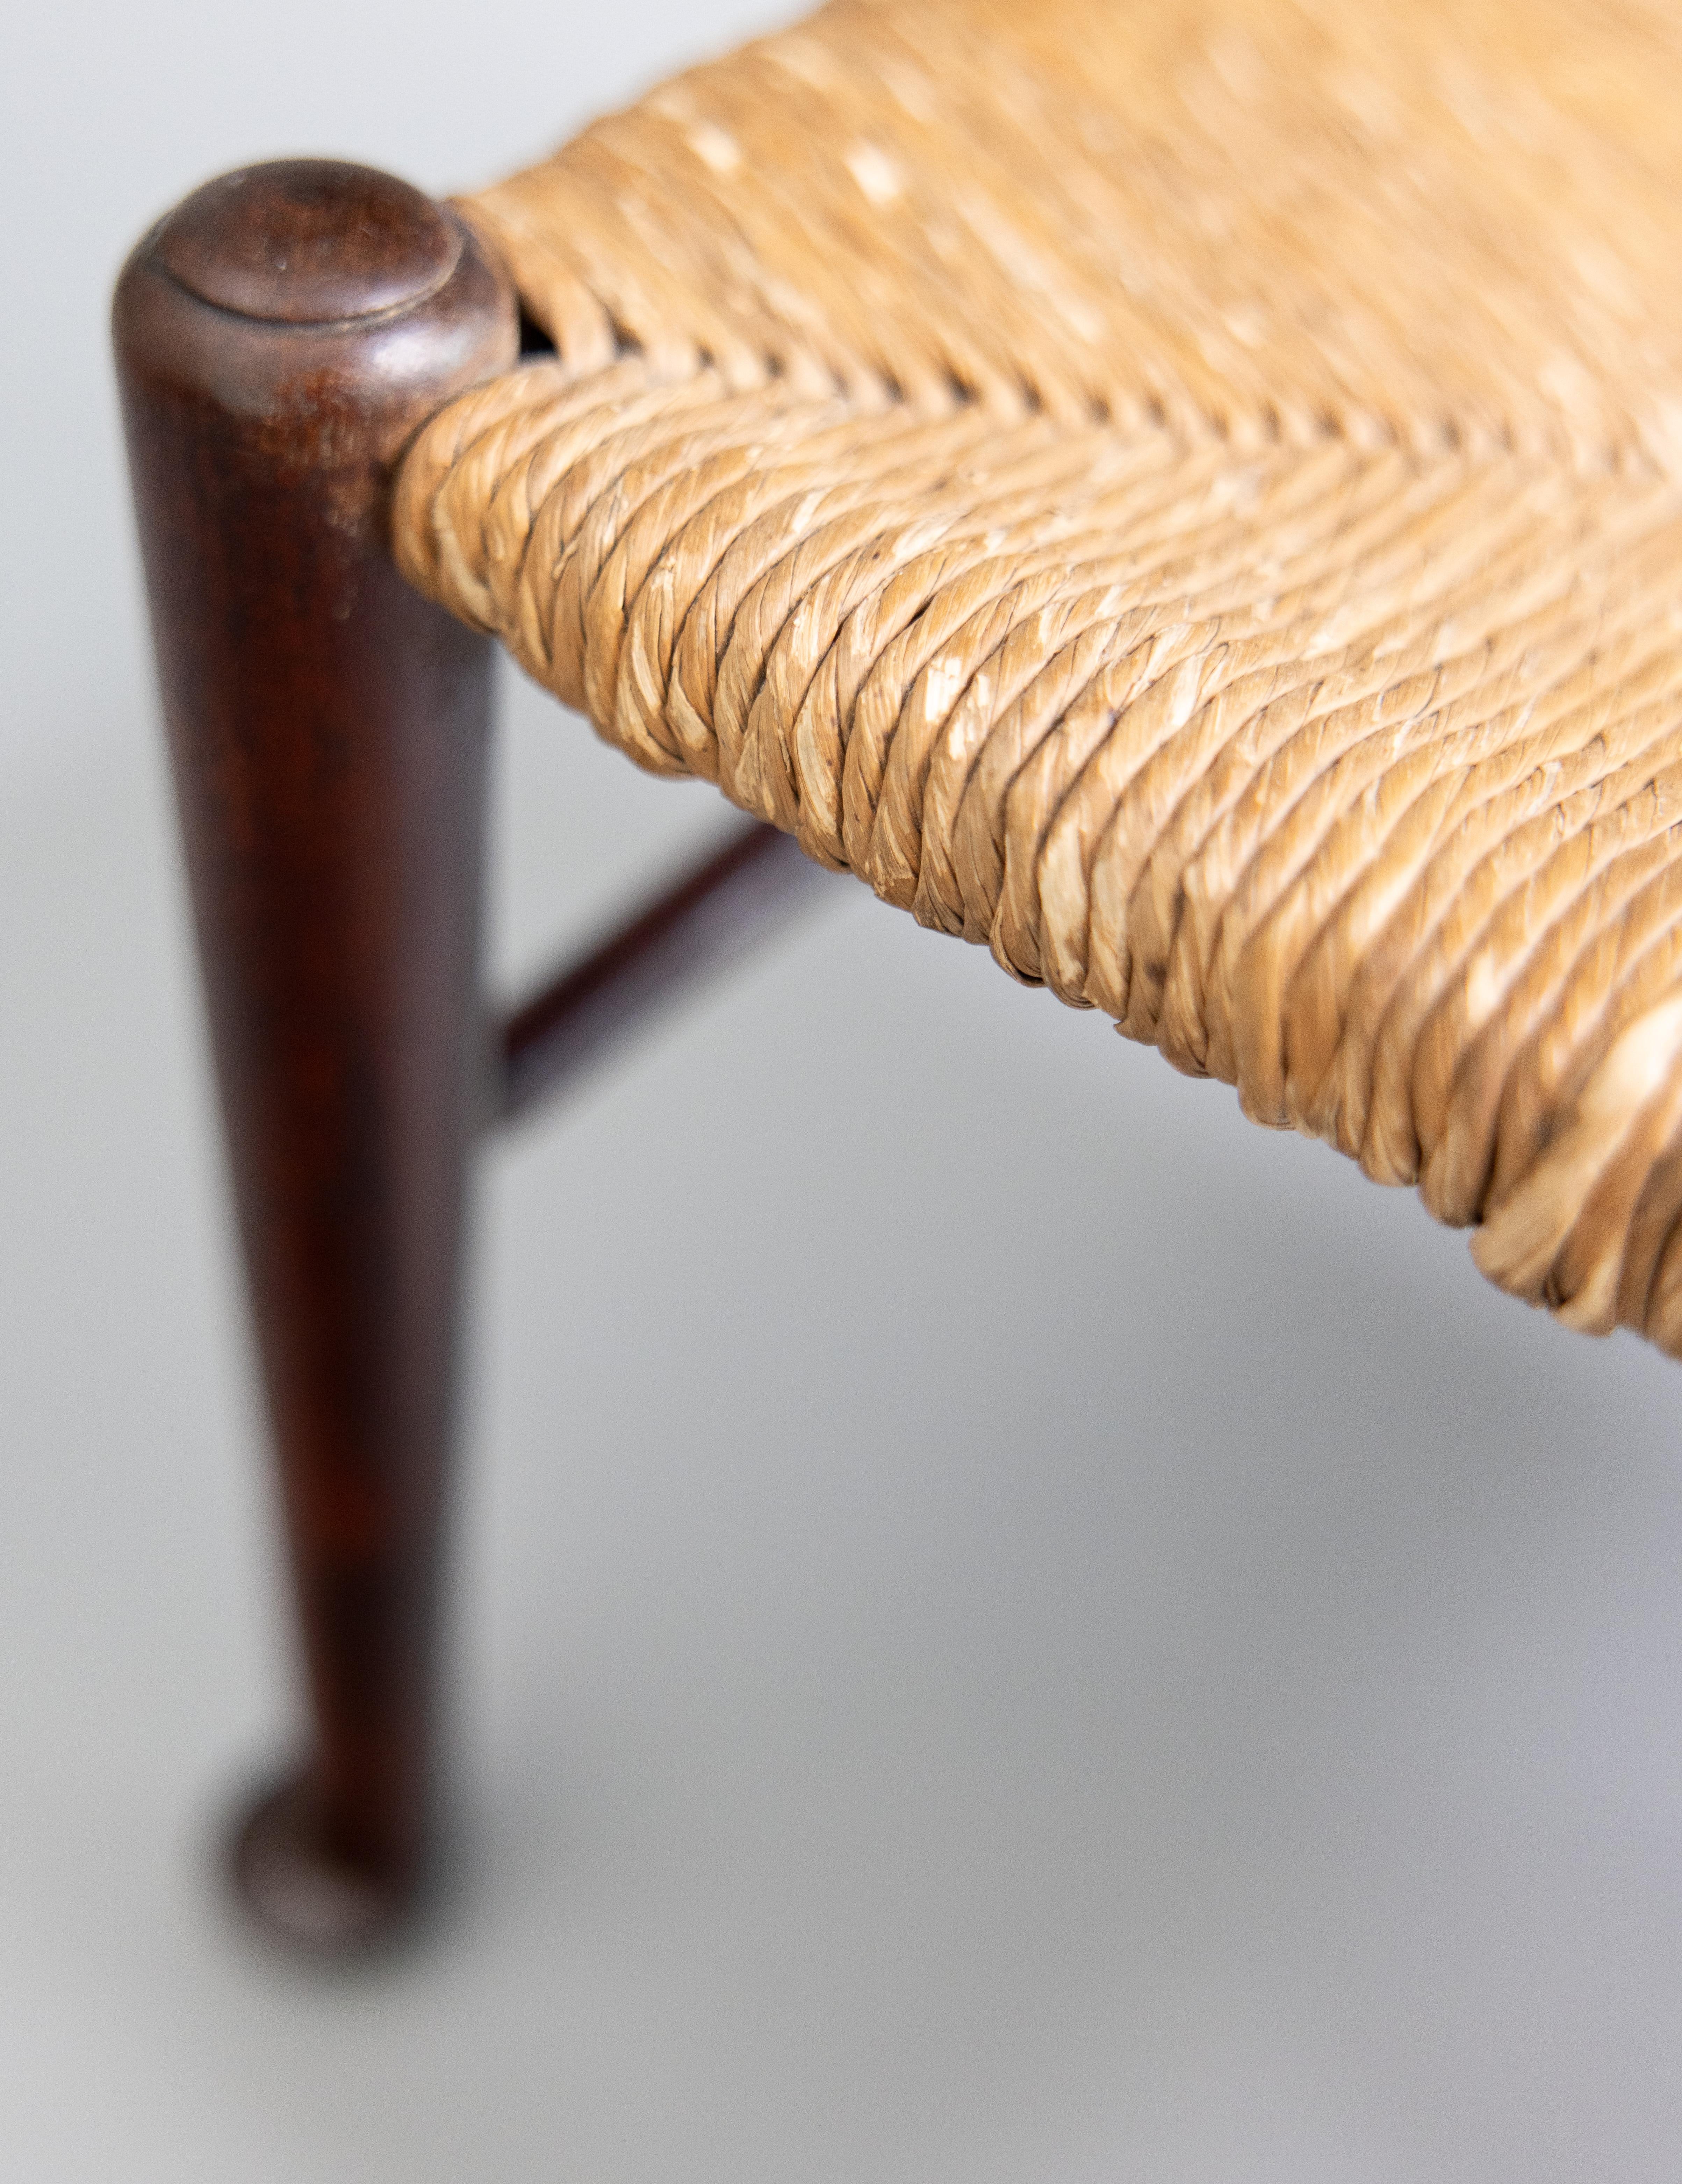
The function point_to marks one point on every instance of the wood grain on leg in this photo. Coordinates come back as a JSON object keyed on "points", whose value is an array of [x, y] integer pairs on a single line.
{"points": [[279, 336]]}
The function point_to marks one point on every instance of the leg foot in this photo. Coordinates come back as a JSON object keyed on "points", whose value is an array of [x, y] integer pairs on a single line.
{"points": [[308, 1891]]}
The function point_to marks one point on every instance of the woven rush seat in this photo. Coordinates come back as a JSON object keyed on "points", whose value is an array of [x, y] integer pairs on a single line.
{"points": [[1185, 494]]}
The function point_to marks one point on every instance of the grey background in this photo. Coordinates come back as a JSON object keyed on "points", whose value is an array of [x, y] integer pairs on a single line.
{"points": [[1011, 1627]]}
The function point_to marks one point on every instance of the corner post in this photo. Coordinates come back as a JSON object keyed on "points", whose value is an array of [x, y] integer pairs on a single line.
{"points": [[279, 337]]}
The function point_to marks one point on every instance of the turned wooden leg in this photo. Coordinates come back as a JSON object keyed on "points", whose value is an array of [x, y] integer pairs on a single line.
{"points": [[279, 336]]}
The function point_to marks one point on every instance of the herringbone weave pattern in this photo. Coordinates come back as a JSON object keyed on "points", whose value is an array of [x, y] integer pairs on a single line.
{"points": [[1188, 494]]}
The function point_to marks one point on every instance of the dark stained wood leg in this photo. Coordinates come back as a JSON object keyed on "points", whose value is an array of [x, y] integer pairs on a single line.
{"points": [[279, 337]]}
